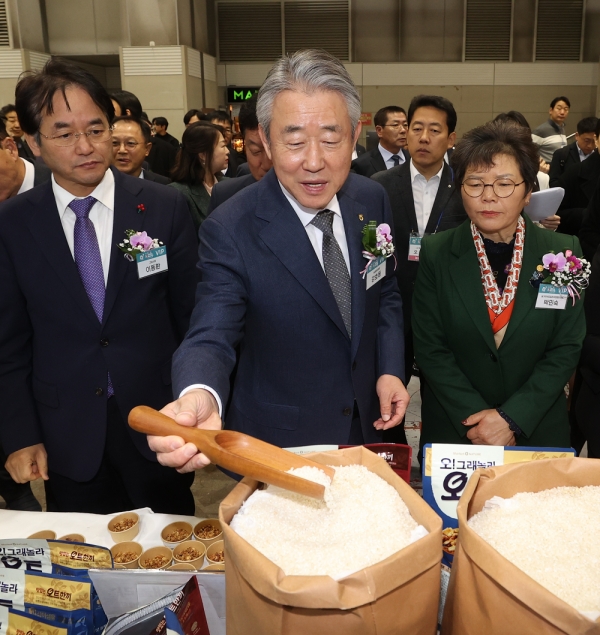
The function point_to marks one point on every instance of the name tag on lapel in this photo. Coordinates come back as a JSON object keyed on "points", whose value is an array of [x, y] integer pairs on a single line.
{"points": [[551, 297], [414, 248], [375, 271], [151, 262]]}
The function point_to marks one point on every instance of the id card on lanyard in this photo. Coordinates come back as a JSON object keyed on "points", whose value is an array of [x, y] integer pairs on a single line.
{"points": [[414, 246]]}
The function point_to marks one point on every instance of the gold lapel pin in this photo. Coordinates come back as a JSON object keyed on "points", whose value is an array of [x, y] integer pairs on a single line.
{"points": [[361, 217]]}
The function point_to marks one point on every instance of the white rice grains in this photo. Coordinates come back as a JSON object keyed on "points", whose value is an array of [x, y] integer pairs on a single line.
{"points": [[362, 521], [553, 536]]}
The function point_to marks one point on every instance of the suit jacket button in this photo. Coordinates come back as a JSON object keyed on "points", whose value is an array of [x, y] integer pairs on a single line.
{"points": [[99, 392], [103, 343], [493, 357], [347, 412]]}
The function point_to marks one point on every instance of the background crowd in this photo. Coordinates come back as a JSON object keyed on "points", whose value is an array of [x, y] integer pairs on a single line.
{"points": [[83, 339]]}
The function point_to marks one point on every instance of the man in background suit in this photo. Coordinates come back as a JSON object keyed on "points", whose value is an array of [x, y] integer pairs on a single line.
{"points": [[576, 153], [257, 160], [131, 144], [423, 196], [160, 125], [320, 354], [85, 333], [391, 126]]}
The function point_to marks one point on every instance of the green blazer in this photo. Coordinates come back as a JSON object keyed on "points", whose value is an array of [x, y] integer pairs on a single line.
{"points": [[462, 371], [197, 198]]}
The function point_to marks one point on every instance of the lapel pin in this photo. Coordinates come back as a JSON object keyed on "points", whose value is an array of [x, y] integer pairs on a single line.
{"points": [[361, 217], [141, 208]]}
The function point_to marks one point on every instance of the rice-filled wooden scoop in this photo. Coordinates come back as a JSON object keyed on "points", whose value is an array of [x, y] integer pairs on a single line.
{"points": [[235, 451]]}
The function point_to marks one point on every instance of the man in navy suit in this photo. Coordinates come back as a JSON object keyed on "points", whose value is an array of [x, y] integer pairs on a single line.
{"points": [[86, 334], [320, 348]]}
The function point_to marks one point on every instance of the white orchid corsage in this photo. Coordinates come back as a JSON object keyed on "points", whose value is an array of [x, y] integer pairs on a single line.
{"points": [[377, 243], [137, 243], [563, 270]]}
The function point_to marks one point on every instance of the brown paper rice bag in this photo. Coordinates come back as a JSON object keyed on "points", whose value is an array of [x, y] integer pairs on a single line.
{"points": [[398, 596], [490, 595]]}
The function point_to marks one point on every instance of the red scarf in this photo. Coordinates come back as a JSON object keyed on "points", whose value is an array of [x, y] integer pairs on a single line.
{"points": [[500, 308]]}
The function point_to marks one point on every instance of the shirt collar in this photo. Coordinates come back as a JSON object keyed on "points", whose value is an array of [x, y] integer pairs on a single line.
{"points": [[387, 155], [414, 173], [104, 193], [582, 154], [306, 214], [29, 178]]}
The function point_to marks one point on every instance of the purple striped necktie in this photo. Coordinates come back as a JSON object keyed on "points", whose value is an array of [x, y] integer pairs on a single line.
{"points": [[88, 260]]}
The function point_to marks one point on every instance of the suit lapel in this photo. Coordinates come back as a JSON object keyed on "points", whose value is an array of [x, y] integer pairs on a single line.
{"points": [[406, 199], [125, 217], [443, 195], [286, 237], [467, 280], [48, 232], [526, 295], [377, 161]]}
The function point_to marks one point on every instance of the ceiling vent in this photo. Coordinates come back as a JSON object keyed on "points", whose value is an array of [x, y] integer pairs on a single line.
{"points": [[559, 30], [487, 30]]}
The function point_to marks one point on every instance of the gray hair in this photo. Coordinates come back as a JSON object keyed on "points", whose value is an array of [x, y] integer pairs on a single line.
{"points": [[307, 71]]}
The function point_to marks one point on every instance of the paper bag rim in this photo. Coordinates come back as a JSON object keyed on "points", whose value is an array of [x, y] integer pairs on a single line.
{"points": [[512, 579], [357, 589]]}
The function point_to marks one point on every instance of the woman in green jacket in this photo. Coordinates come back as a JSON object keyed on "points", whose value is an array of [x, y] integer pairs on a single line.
{"points": [[200, 162], [494, 365]]}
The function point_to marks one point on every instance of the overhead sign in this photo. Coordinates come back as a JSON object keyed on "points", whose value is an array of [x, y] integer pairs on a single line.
{"points": [[237, 94], [366, 118]]}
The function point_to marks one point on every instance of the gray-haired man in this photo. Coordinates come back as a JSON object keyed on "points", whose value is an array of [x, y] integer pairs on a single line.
{"points": [[320, 345]]}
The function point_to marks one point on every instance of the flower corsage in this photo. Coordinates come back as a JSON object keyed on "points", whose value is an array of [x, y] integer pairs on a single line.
{"points": [[377, 243], [563, 270], [137, 243]]}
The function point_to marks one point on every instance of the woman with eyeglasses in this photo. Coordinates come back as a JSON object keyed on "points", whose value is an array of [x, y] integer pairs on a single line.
{"points": [[200, 162], [495, 344]]}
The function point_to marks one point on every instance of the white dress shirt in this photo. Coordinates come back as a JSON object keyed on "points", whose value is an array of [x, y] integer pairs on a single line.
{"points": [[424, 193], [29, 177], [101, 215], [387, 157], [315, 235]]}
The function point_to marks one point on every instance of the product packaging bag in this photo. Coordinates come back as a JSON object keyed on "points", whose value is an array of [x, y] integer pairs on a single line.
{"points": [[487, 593], [398, 596]]}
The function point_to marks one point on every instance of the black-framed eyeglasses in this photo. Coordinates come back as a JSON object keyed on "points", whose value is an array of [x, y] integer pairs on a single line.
{"points": [[95, 135], [129, 145], [502, 188]]}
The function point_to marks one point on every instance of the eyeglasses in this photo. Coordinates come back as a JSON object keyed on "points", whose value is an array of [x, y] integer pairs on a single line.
{"points": [[129, 145], [396, 126], [95, 135], [502, 188]]}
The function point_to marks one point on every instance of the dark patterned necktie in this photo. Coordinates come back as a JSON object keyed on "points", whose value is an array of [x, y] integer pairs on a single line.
{"points": [[396, 159], [87, 258], [335, 267]]}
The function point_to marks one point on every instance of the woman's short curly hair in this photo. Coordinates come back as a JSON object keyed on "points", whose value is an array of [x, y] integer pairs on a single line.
{"points": [[479, 146]]}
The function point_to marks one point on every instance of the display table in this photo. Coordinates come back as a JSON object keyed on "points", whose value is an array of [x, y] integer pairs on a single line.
{"points": [[124, 590]]}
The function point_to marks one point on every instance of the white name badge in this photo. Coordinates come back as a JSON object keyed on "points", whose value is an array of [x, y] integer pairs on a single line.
{"points": [[151, 262], [375, 271], [414, 248], [551, 297]]}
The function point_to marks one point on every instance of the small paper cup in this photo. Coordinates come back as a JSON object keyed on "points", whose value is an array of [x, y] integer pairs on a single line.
{"points": [[155, 552], [180, 527], [73, 538], [196, 562], [204, 523], [127, 547], [214, 568], [181, 566], [126, 535], [212, 549], [45, 534]]}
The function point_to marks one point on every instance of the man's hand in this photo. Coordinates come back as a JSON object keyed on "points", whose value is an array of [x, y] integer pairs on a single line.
{"points": [[551, 223], [544, 167], [393, 401], [197, 408], [28, 464], [491, 429]]}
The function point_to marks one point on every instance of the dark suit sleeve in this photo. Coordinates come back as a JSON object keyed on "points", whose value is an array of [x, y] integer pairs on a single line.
{"points": [[207, 355], [557, 166], [16, 335], [182, 250], [589, 234], [530, 403], [390, 329], [434, 357]]}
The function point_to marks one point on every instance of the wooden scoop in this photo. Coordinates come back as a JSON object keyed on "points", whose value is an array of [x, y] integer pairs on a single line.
{"points": [[235, 451]]}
